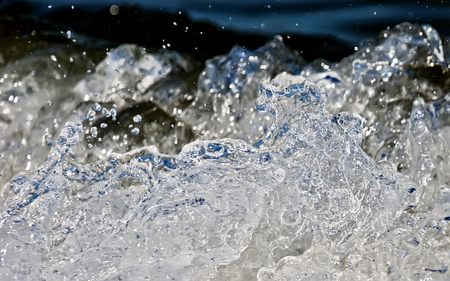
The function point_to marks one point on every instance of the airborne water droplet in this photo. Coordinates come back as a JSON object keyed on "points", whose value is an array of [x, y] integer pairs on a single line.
{"points": [[114, 10], [137, 118], [135, 131]]}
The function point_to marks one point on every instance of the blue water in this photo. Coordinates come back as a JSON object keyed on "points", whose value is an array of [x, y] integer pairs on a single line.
{"points": [[349, 21]]}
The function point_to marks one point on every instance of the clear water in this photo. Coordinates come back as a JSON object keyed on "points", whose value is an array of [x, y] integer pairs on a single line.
{"points": [[261, 167]]}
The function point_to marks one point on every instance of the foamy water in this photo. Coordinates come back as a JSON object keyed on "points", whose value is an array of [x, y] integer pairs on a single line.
{"points": [[261, 167]]}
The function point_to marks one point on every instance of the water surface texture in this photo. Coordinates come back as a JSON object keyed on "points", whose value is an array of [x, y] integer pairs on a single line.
{"points": [[121, 162]]}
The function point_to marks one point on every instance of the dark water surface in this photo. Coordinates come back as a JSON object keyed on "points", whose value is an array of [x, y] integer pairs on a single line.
{"points": [[201, 28]]}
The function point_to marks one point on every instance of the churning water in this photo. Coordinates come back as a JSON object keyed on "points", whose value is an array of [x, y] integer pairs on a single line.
{"points": [[261, 166]]}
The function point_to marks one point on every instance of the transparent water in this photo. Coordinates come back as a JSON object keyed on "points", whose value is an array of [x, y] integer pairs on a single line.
{"points": [[261, 167]]}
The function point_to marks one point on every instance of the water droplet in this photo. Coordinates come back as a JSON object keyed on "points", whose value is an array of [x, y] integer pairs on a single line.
{"points": [[94, 132], [90, 115], [137, 118], [97, 107], [114, 10], [135, 131]]}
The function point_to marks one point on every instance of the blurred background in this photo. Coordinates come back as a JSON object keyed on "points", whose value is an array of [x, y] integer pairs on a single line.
{"points": [[204, 28]]}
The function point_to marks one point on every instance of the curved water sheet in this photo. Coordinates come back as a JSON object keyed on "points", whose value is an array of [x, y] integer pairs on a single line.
{"points": [[398, 83], [41, 91], [224, 104], [131, 98], [305, 203], [35, 102]]}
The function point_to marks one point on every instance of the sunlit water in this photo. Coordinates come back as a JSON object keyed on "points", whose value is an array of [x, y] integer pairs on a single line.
{"points": [[261, 167]]}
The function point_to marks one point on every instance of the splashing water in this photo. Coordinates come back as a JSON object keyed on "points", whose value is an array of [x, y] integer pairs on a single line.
{"points": [[265, 168]]}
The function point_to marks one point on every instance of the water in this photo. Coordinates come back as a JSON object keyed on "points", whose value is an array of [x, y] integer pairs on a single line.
{"points": [[257, 165], [350, 21]]}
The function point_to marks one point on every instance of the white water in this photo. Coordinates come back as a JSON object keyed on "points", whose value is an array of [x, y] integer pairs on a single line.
{"points": [[281, 183]]}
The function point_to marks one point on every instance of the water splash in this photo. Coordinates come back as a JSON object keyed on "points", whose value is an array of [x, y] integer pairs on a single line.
{"points": [[305, 191]]}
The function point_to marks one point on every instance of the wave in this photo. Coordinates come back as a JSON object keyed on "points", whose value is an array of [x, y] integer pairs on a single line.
{"points": [[260, 166]]}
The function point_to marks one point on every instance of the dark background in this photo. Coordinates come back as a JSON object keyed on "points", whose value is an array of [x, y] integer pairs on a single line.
{"points": [[204, 28]]}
